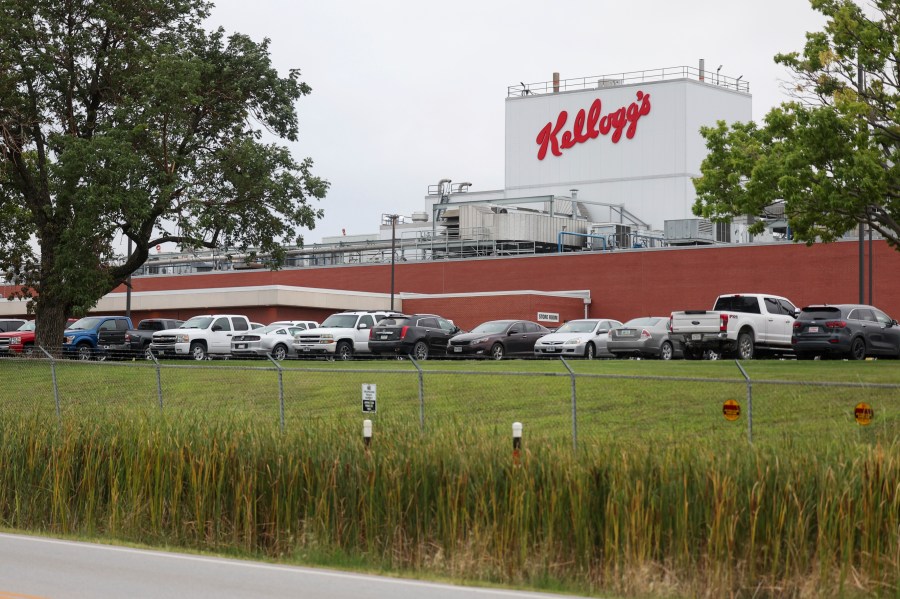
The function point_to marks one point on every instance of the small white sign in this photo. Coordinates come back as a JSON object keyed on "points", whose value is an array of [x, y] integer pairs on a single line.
{"points": [[548, 317], [368, 398]]}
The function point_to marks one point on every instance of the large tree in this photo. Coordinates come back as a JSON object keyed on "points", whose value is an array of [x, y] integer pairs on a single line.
{"points": [[126, 119], [832, 154]]}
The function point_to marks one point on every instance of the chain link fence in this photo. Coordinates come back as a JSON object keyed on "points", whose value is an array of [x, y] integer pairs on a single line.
{"points": [[556, 400]]}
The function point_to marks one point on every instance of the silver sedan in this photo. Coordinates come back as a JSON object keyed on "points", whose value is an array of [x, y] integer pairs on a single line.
{"points": [[644, 337], [274, 339], [583, 338]]}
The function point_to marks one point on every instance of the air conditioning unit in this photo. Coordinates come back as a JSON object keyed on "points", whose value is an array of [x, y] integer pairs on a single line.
{"points": [[613, 235], [690, 231]]}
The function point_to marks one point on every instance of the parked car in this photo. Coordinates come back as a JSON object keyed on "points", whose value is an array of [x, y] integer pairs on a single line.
{"points": [[341, 335], [93, 336], [137, 341], [417, 335], [256, 325], [851, 330], [274, 339], [6, 339], [583, 338], [742, 323], [647, 336], [200, 337], [498, 339]]}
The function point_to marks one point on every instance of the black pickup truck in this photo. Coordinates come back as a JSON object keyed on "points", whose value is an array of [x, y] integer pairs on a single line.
{"points": [[137, 341]]}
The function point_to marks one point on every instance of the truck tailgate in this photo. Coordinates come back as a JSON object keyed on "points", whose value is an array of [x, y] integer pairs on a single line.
{"points": [[696, 321]]}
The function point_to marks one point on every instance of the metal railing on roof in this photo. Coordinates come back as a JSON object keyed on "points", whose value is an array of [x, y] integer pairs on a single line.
{"points": [[628, 78]]}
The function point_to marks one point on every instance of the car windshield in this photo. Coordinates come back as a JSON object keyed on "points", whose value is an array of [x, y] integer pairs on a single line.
{"points": [[820, 313], [85, 324], [578, 326], [494, 326], [28, 326], [340, 321], [197, 322], [646, 321]]}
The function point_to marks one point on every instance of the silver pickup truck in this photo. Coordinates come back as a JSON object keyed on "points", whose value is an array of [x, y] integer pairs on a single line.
{"points": [[740, 323]]}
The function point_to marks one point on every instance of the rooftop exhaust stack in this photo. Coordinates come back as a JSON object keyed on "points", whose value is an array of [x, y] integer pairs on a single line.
{"points": [[702, 66], [555, 83]]}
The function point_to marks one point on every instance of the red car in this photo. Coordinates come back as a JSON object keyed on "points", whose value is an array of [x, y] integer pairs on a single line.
{"points": [[21, 341]]}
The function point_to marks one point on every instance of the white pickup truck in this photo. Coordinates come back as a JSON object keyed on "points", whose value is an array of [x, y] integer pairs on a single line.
{"points": [[200, 337], [742, 323], [340, 336]]}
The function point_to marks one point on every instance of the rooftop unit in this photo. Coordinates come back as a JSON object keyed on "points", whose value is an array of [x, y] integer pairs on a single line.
{"points": [[690, 231]]}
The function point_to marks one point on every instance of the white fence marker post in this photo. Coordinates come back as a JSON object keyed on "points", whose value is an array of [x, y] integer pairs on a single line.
{"points": [[367, 433], [517, 441]]}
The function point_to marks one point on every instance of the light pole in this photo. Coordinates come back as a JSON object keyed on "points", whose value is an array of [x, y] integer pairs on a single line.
{"points": [[393, 218]]}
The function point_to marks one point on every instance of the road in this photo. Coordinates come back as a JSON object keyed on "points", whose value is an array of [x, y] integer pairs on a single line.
{"points": [[43, 568]]}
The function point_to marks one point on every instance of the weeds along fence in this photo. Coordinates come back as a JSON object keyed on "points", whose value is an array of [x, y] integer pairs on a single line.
{"points": [[558, 402]]}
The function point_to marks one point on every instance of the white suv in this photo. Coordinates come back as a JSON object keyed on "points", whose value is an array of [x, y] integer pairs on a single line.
{"points": [[200, 337], [340, 336]]}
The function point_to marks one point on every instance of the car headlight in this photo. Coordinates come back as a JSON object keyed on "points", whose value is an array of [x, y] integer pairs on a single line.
{"points": [[69, 338], [15, 341], [574, 341], [327, 337], [479, 340], [182, 338]]}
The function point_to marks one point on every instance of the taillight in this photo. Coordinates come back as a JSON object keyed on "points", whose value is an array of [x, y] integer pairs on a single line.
{"points": [[645, 333], [723, 324], [836, 324], [403, 332], [371, 333], [797, 325], [669, 325]]}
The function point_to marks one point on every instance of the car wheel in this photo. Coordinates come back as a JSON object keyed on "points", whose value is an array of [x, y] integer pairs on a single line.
{"points": [[590, 351], [666, 351], [28, 351], [148, 354], [344, 351], [84, 352], [745, 346], [420, 351], [279, 352], [711, 354], [497, 352], [198, 351], [858, 349]]}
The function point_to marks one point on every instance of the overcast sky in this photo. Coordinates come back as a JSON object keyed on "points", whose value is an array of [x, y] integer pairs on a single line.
{"points": [[406, 93]]}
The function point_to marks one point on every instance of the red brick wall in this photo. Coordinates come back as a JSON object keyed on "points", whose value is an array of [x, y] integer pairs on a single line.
{"points": [[469, 312], [623, 284]]}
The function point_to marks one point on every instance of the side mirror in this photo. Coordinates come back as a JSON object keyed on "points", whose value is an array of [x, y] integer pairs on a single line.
{"points": [[216, 328], [514, 331], [601, 331], [893, 323], [796, 313]]}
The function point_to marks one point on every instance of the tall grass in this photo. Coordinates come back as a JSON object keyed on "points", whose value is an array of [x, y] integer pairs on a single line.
{"points": [[654, 520]]}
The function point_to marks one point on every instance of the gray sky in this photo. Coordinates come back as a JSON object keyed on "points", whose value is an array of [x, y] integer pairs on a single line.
{"points": [[406, 93]]}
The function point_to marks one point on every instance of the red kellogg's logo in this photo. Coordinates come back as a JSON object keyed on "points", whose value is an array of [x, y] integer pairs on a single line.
{"points": [[591, 125]]}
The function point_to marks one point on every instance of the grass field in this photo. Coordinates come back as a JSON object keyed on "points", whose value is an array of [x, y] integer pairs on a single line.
{"points": [[663, 497]]}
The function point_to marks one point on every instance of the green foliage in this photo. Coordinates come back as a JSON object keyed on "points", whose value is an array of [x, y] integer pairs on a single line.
{"points": [[131, 120], [833, 154], [697, 521]]}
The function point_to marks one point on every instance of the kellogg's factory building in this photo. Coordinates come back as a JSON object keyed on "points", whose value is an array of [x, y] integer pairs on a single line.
{"points": [[594, 220]]}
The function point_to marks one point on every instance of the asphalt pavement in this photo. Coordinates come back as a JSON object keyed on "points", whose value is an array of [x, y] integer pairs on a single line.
{"points": [[44, 568]]}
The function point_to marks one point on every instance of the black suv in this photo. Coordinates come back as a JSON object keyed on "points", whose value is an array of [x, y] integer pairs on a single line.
{"points": [[418, 335]]}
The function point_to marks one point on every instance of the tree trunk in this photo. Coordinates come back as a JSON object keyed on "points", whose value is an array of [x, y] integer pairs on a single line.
{"points": [[51, 307]]}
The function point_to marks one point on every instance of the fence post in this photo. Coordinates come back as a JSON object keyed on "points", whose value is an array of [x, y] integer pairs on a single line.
{"points": [[280, 388], [55, 387], [574, 404], [421, 394], [158, 381], [749, 403]]}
